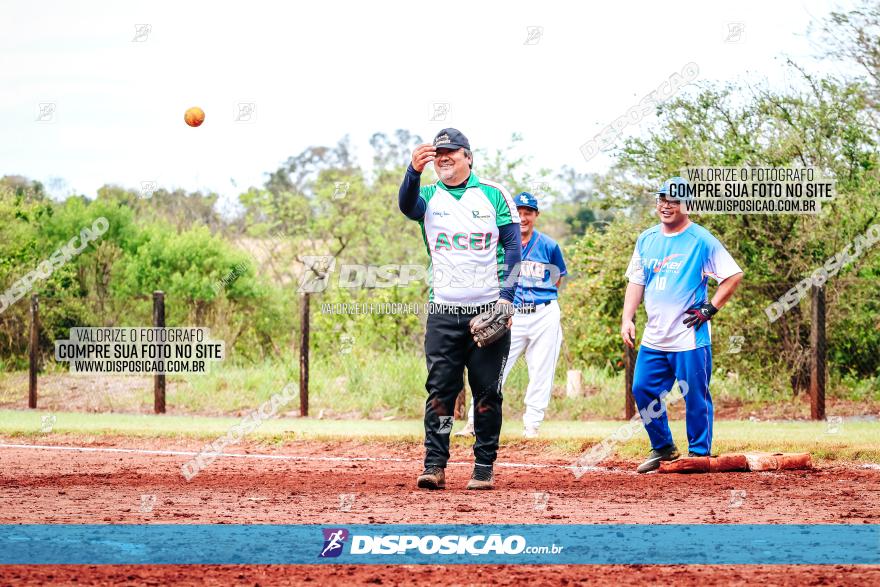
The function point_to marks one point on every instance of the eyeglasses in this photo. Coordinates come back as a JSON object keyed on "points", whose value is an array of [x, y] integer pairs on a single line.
{"points": [[662, 203]]}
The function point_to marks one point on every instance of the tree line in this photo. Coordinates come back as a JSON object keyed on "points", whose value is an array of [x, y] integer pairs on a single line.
{"points": [[240, 276]]}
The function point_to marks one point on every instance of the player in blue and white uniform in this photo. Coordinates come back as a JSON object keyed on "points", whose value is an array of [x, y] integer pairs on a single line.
{"points": [[670, 269], [536, 325]]}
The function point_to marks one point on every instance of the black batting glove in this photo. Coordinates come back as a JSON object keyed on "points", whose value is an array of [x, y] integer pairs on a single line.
{"points": [[699, 315]]}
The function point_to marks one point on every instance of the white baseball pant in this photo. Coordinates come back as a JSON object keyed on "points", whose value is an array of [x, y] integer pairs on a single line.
{"points": [[539, 336]]}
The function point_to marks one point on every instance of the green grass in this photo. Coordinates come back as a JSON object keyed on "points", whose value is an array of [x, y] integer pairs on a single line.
{"points": [[855, 440], [380, 385]]}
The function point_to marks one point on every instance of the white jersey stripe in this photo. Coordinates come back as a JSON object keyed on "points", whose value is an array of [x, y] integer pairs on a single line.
{"points": [[514, 215]]}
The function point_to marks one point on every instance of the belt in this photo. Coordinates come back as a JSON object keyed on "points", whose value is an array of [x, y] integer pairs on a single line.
{"points": [[531, 308], [458, 309]]}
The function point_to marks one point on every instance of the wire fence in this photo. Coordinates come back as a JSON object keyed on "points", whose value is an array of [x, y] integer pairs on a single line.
{"points": [[818, 351]]}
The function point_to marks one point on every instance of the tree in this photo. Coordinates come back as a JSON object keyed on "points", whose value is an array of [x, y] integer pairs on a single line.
{"points": [[824, 127]]}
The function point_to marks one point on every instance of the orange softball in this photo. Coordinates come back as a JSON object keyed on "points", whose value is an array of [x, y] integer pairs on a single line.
{"points": [[195, 116]]}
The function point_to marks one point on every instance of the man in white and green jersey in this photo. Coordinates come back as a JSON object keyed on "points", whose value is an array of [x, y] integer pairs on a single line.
{"points": [[471, 230]]}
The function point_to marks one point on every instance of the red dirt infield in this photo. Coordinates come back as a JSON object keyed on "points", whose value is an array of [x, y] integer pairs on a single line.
{"points": [[54, 486]]}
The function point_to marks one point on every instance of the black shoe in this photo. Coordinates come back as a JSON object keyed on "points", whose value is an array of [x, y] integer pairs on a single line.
{"points": [[652, 463], [483, 478], [432, 478], [692, 454]]}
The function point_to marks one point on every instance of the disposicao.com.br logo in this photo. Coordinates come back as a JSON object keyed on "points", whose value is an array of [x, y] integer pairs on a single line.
{"points": [[453, 544], [334, 540]]}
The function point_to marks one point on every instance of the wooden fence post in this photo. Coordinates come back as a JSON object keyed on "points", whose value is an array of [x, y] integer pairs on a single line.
{"points": [[574, 383], [630, 409], [34, 352], [817, 355], [629, 366], [159, 378], [458, 411], [304, 356]]}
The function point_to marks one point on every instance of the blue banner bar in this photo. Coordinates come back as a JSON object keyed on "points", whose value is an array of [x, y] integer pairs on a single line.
{"points": [[718, 544]]}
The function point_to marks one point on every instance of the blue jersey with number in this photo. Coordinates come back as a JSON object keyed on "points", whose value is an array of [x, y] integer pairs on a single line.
{"points": [[675, 270], [542, 266]]}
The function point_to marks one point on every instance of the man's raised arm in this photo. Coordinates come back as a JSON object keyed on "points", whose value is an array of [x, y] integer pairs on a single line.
{"points": [[408, 199]]}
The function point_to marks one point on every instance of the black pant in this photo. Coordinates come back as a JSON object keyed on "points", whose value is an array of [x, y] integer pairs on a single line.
{"points": [[449, 348]]}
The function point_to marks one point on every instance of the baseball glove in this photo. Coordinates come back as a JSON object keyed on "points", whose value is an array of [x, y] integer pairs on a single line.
{"points": [[699, 315], [489, 326]]}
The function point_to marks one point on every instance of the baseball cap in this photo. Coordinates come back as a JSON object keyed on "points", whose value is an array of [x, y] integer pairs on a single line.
{"points": [[526, 200], [681, 184], [451, 138]]}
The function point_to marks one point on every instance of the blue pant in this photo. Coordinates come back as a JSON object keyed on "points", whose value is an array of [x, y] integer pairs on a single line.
{"points": [[656, 373]]}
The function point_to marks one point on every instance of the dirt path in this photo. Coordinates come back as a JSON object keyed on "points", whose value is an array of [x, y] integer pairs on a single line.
{"points": [[50, 486], [448, 576], [305, 485]]}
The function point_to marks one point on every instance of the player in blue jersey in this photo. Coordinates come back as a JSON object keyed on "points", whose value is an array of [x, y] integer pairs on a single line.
{"points": [[670, 269], [536, 332]]}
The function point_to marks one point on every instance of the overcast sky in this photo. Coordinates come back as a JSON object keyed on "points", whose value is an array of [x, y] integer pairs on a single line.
{"points": [[316, 71]]}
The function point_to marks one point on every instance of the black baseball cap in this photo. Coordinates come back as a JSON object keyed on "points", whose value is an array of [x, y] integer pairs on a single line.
{"points": [[451, 138]]}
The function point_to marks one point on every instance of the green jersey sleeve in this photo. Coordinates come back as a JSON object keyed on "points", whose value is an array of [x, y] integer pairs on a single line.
{"points": [[505, 210]]}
